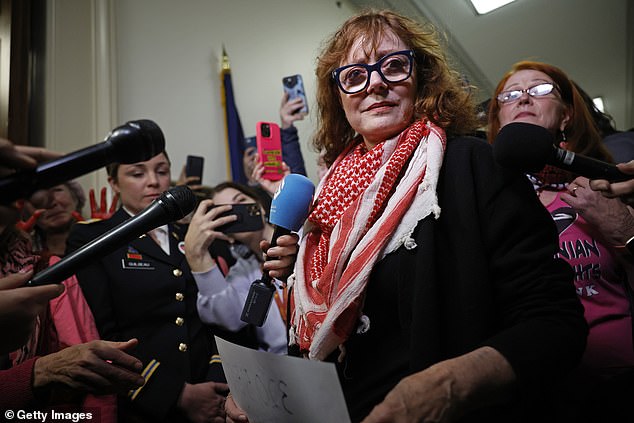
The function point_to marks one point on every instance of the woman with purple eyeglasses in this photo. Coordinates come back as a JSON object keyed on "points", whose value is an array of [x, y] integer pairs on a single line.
{"points": [[425, 273]]}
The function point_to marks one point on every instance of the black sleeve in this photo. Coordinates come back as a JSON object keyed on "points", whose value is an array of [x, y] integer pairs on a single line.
{"points": [[163, 384], [291, 150], [541, 330]]}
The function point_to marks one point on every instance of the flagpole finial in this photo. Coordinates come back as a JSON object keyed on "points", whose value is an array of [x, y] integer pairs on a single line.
{"points": [[225, 59]]}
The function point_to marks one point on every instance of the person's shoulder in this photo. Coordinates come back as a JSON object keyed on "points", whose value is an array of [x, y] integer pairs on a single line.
{"points": [[467, 145], [617, 137], [87, 228], [466, 140], [472, 157], [90, 227]]}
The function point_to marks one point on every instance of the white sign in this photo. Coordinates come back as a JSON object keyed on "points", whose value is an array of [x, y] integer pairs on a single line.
{"points": [[274, 388]]}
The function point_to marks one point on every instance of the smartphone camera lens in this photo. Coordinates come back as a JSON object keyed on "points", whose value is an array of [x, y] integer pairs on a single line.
{"points": [[253, 210], [266, 130]]}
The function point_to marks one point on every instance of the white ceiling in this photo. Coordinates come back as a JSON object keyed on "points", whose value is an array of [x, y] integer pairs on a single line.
{"points": [[591, 40]]}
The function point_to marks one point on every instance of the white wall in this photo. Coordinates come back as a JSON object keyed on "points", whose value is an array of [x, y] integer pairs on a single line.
{"points": [[111, 61], [169, 59], [80, 87]]}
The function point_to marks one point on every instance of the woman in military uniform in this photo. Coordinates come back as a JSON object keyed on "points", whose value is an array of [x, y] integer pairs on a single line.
{"points": [[145, 290]]}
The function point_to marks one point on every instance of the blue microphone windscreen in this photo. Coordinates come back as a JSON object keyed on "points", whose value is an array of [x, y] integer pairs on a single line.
{"points": [[292, 201]]}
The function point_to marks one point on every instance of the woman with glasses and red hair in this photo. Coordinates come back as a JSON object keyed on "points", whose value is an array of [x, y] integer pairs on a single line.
{"points": [[424, 273], [592, 231]]}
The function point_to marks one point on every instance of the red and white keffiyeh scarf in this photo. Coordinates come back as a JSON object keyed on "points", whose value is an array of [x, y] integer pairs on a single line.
{"points": [[366, 206]]}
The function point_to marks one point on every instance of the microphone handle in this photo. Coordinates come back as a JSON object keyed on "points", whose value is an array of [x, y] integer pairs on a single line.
{"points": [[23, 183], [261, 293], [278, 231], [588, 167], [152, 217]]}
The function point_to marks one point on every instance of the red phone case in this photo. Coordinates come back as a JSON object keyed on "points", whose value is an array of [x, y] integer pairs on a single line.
{"points": [[270, 150]]}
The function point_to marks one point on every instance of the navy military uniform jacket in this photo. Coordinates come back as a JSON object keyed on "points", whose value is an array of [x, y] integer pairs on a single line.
{"points": [[139, 291]]}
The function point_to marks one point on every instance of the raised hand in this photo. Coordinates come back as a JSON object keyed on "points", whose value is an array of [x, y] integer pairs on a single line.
{"points": [[193, 182], [77, 216], [269, 186], [289, 110], [103, 212], [28, 224]]}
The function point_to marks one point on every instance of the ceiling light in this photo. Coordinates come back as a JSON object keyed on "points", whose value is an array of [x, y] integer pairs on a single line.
{"points": [[598, 101], [485, 6]]}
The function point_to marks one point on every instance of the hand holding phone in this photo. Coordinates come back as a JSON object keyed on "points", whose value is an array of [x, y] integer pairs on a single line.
{"points": [[294, 87], [194, 168], [270, 150], [249, 218]]}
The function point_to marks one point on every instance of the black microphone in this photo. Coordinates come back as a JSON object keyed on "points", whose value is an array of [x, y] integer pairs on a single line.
{"points": [[172, 205], [133, 142], [289, 208], [528, 148]]}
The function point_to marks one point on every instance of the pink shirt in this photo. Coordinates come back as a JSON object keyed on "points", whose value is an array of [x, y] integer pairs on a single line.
{"points": [[600, 282]]}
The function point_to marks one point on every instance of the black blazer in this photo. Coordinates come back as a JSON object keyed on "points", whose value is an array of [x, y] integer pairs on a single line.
{"points": [[138, 291], [482, 274]]}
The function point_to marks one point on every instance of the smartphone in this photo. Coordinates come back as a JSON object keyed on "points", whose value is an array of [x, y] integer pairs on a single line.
{"points": [[194, 167], [269, 145], [294, 86], [249, 218]]}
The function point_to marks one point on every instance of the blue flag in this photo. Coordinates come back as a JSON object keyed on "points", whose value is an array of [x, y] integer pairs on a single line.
{"points": [[235, 135]]}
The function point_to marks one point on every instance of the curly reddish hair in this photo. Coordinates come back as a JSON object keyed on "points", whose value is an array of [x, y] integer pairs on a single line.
{"points": [[441, 95]]}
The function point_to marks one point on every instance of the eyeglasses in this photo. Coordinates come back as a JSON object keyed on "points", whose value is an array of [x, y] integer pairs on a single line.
{"points": [[540, 90], [394, 67]]}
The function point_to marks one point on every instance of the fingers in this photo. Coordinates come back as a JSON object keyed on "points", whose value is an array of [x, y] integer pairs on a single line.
{"points": [[23, 157], [93, 201], [285, 169], [13, 159], [624, 188], [203, 228], [30, 223], [103, 203], [221, 388], [627, 168], [102, 211], [111, 364], [77, 216], [30, 295], [192, 180], [42, 294], [600, 185], [572, 189], [281, 258], [94, 366], [115, 201], [114, 352], [234, 413], [258, 170], [210, 211], [286, 245], [15, 280], [20, 307], [284, 98], [39, 154]]}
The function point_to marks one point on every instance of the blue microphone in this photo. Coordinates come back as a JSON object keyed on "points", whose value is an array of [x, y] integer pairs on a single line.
{"points": [[289, 209]]}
